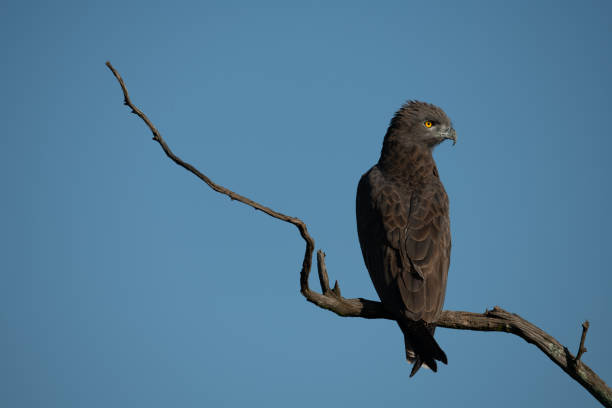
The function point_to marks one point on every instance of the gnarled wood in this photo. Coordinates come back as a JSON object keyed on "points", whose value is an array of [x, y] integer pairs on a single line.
{"points": [[331, 299]]}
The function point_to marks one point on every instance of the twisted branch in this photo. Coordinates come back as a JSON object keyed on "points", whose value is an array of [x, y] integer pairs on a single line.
{"points": [[331, 299]]}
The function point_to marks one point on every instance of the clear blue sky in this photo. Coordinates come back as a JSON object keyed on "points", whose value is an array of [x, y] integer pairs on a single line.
{"points": [[125, 282]]}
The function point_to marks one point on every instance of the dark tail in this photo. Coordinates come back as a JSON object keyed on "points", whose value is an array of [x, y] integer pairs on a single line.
{"points": [[421, 347]]}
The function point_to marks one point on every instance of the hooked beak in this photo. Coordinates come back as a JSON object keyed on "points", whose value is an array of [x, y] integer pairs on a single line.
{"points": [[449, 133]]}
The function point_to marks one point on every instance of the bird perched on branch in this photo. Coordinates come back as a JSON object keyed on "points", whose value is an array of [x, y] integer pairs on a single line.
{"points": [[404, 227]]}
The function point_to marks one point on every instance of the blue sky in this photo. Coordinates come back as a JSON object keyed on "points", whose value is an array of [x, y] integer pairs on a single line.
{"points": [[128, 283]]}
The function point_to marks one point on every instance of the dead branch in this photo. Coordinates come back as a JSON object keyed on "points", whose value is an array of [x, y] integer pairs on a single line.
{"points": [[496, 319], [581, 348]]}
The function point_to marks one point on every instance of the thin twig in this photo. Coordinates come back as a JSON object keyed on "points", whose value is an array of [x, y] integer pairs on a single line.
{"points": [[323, 278], [494, 320], [581, 348]]}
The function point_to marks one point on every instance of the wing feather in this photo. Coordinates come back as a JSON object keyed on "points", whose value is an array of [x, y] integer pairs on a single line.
{"points": [[405, 240]]}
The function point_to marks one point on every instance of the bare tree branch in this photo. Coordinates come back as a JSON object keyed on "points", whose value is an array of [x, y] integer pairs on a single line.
{"points": [[331, 299]]}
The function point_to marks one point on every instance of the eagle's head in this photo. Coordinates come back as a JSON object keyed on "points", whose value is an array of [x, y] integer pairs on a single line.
{"points": [[421, 123]]}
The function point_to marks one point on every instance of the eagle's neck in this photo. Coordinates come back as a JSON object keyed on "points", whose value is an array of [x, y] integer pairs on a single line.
{"points": [[411, 162]]}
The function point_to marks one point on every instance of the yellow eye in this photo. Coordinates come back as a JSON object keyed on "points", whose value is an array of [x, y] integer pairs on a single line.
{"points": [[428, 124]]}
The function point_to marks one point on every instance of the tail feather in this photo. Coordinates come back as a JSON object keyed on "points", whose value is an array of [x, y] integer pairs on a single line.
{"points": [[418, 363], [421, 347]]}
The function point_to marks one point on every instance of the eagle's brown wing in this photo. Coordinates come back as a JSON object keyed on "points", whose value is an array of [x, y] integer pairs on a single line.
{"points": [[405, 241]]}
